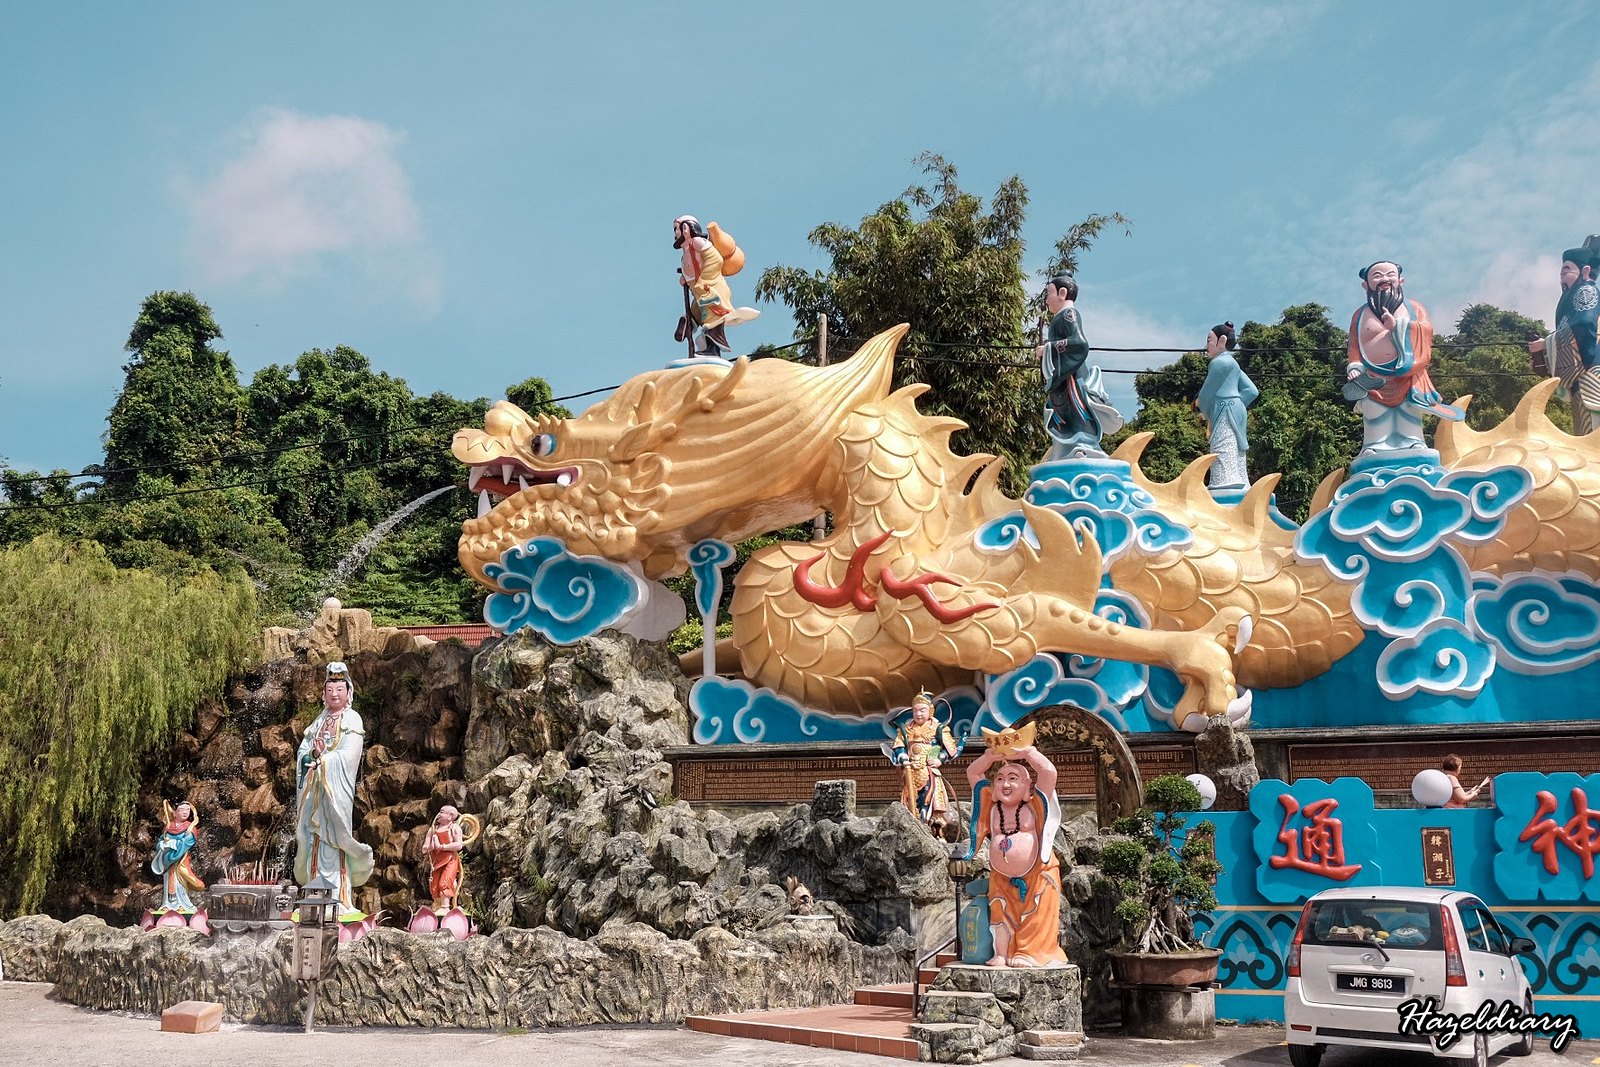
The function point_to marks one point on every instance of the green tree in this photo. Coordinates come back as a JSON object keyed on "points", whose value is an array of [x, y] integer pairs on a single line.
{"points": [[308, 461], [1488, 358], [940, 259], [98, 667], [36, 504], [1166, 409], [330, 427], [533, 396], [1301, 425], [181, 408]]}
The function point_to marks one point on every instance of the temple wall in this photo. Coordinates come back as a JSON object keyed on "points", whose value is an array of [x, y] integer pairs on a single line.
{"points": [[1260, 905]]}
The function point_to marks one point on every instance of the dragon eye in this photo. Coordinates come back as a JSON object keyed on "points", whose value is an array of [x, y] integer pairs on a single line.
{"points": [[543, 444]]}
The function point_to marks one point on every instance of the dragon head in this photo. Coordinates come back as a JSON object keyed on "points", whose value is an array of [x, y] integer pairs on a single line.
{"points": [[672, 458]]}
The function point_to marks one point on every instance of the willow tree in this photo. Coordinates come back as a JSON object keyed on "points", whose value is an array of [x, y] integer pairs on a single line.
{"points": [[98, 667]]}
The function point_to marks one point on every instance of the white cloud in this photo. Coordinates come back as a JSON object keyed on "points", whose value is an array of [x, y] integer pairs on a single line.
{"points": [[1520, 283], [1484, 223], [304, 187], [1145, 48]]}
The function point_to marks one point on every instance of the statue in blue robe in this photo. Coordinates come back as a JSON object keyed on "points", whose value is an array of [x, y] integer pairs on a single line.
{"points": [[1227, 392]]}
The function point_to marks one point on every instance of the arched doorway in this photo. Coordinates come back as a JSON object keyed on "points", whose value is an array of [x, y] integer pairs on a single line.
{"points": [[1065, 728]]}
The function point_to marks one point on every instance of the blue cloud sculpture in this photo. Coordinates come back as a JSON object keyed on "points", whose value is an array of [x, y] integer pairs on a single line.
{"points": [[1443, 658], [1539, 623], [563, 596]]}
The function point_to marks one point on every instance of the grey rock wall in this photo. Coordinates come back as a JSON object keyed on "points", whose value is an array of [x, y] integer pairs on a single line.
{"points": [[564, 747], [629, 973]]}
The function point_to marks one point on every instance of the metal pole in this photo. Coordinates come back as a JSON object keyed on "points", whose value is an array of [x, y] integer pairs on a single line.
{"points": [[819, 525]]}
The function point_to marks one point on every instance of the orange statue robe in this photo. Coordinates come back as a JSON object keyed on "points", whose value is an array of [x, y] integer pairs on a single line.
{"points": [[1031, 909], [446, 877]]}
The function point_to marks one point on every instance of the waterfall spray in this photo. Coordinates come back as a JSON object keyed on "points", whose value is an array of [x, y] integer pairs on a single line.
{"points": [[358, 555]]}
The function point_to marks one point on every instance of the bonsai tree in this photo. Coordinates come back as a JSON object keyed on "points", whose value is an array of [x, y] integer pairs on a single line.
{"points": [[1162, 884]]}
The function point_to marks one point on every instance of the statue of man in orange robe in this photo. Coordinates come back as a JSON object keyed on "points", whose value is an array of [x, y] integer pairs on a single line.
{"points": [[1015, 808], [1391, 342]]}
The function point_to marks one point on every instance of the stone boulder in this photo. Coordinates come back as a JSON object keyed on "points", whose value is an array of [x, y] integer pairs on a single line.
{"points": [[338, 633], [1226, 755], [977, 1013], [564, 749], [628, 973]]}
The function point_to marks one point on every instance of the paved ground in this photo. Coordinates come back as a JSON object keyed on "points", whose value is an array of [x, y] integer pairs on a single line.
{"points": [[36, 1029]]}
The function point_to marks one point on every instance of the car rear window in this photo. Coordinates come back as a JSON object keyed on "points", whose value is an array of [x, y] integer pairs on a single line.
{"points": [[1394, 923]]}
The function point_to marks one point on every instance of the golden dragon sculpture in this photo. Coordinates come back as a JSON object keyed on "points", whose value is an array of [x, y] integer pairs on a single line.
{"points": [[901, 596]]}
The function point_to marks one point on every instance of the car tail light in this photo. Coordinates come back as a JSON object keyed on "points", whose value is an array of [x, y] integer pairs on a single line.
{"points": [[1293, 960], [1455, 972]]}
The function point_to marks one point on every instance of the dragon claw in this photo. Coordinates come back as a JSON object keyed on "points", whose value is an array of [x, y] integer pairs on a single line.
{"points": [[1208, 672], [1239, 708]]}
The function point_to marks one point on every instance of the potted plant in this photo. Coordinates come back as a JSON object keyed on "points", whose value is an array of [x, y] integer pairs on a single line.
{"points": [[1162, 878]]}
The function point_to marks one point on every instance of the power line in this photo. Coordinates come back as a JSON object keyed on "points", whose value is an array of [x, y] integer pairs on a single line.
{"points": [[991, 347], [304, 444], [325, 442], [190, 490], [1440, 369]]}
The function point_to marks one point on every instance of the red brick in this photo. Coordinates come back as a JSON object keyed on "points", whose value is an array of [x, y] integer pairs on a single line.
{"points": [[192, 1017]]}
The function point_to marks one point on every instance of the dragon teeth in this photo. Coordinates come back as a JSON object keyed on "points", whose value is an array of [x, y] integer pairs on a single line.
{"points": [[505, 473], [564, 478], [483, 503], [524, 483]]}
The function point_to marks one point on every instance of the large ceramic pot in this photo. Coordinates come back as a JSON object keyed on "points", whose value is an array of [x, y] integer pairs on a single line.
{"points": [[1171, 970]]}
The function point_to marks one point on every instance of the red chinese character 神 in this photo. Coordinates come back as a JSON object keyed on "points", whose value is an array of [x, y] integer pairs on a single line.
{"points": [[1581, 834], [1317, 848]]}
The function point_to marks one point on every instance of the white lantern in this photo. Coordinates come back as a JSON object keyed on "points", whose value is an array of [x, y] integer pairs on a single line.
{"points": [[1431, 788], [1208, 789]]}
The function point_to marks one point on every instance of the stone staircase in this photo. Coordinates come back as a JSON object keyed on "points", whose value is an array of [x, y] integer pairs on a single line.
{"points": [[982, 1013], [969, 1014], [878, 1022]]}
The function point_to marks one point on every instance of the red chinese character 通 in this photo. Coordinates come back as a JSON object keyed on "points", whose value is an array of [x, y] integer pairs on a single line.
{"points": [[1317, 848]]}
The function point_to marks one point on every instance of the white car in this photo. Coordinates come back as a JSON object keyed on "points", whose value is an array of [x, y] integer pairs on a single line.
{"points": [[1358, 955]]}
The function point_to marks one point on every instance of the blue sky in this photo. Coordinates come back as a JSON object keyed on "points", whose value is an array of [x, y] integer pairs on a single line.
{"points": [[473, 193]]}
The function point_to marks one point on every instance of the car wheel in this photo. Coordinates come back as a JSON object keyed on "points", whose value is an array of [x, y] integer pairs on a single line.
{"points": [[1480, 1050], [1524, 1045], [1305, 1055]]}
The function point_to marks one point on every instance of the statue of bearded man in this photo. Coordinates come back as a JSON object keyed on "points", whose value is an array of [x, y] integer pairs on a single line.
{"points": [[1391, 342], [1571, 351]]}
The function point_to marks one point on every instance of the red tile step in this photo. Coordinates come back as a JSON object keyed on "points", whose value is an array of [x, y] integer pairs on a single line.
{"points": [[885, 996], [927, 974], [874, 1029], [878, 1023]]}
